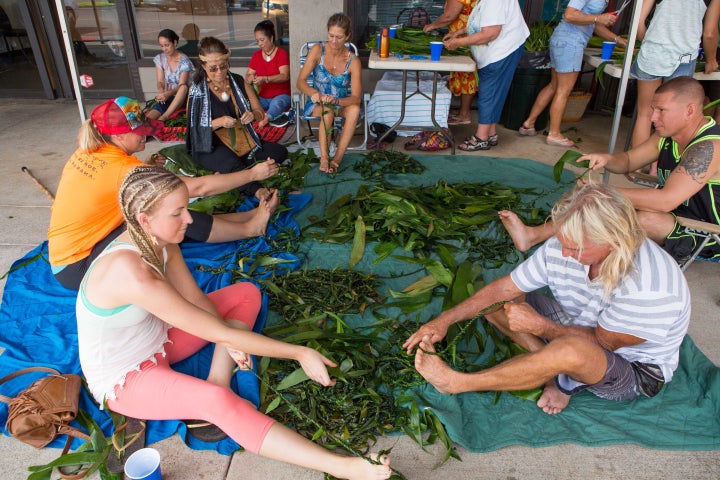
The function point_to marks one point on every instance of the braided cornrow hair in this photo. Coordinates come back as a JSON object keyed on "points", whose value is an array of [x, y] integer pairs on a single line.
{"points": [[141, 191]]}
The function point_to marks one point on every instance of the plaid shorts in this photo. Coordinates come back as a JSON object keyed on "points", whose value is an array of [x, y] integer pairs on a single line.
{"points": [[623, 380]]}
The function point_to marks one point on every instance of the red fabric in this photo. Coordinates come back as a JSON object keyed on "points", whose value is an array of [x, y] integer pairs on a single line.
{"points": [[269, 133], [268, 69], [171, 134]]}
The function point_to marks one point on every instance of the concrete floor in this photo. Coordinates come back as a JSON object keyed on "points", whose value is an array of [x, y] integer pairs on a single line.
{"points": [[41, 135]]}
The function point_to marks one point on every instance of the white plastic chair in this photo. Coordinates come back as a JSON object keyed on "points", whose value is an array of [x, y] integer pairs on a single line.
{"points": [[299, 100]]}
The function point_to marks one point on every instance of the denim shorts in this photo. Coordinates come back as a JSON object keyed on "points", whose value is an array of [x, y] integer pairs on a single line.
{"points": [[683, 70], [566, 54]]}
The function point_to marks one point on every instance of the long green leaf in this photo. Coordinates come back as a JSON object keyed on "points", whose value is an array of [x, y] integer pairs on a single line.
{"points": [[298, 376], [569, 157], [358, 247]]}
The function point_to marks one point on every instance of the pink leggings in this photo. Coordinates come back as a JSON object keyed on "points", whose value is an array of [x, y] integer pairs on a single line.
{"points": [[157, 392]]}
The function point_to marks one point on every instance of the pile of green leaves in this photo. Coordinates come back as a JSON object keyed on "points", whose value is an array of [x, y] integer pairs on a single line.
{"points": [[376, 379], [420, 219], [539, 38], [413, 41], [378, 163], [180, 162], [303, 294], [291, 176]]}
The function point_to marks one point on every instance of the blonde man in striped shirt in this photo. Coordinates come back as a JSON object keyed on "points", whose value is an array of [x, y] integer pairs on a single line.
{"points": [[620, 311]]}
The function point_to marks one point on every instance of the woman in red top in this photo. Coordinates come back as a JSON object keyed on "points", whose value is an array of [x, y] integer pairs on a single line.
{"points": [[269, 72]]}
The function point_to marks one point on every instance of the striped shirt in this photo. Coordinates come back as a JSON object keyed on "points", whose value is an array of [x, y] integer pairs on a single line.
{"points": [[652, 302]]}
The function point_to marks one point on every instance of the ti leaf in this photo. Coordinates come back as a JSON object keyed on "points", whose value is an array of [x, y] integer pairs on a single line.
{"points": [[569, 157]]}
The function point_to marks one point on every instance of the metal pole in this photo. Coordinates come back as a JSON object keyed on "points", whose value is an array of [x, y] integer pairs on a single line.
{"points": [[70, 52], [627, 62]]}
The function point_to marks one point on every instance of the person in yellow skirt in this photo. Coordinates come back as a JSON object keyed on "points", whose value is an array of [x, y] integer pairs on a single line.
{"points": [[454, 16]]}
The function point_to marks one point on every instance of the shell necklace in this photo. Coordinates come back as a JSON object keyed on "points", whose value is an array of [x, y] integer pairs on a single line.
{"points": [[268, 56], [224, 95]]}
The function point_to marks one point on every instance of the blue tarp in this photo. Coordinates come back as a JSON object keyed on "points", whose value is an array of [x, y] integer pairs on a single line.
{"points": [[37, 321]]}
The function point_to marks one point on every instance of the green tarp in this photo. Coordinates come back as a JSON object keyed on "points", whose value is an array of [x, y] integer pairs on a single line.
{"points": [[685, 415]]}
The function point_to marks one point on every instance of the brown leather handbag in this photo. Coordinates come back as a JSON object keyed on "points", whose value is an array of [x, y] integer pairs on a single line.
{"points": [[43, 410]]}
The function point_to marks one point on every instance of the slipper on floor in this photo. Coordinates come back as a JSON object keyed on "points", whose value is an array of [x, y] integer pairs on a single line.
{"points": [[455, 120], [204, 431], [560, 142], [527, 132], [127, 439]]}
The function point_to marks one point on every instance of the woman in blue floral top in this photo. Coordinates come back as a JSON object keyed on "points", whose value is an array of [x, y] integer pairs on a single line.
{"points": [[336, 89], [173, 69]]}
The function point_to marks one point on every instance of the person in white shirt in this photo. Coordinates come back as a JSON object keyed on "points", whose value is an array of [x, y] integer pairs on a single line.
{"points": [[620, 311], [495, 33]]}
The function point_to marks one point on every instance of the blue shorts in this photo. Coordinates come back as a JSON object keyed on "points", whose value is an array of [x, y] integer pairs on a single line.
{"points": [[566, 53], [683, 70], [161, 107], [493, 86]]}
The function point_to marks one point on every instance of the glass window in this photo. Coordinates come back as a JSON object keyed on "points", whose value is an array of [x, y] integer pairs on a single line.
{"points": [[232, 21], [383, 13]]}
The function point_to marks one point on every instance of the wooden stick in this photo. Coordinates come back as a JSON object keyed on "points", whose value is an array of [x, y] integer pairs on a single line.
{"points": [[37, 182]]}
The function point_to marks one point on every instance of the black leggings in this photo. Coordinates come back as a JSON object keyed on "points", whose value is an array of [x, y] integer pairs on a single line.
{"points": [[71, 276], [224, 160]]}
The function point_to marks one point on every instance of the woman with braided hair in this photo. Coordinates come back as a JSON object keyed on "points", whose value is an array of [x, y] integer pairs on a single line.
{"points": [[129, 337]]}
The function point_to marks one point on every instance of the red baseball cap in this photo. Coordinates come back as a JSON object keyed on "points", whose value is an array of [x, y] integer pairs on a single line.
{"points": [[123, 115]]}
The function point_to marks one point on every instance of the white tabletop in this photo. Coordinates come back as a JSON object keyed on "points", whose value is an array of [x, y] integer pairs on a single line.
{"points": [[592, 57], [447, 63]]}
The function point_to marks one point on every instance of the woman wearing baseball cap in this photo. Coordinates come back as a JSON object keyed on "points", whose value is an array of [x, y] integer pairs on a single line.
{"points": [[86, 215]]}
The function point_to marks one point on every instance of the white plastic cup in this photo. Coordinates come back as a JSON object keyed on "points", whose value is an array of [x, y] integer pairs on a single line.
{"points": [[607, 50], [392, 31], [143, 465], [435, 51]]}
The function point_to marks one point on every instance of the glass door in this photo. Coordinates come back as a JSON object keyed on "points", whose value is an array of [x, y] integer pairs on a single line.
{"points": [[19, 74], [33, 60], [103, 46]]}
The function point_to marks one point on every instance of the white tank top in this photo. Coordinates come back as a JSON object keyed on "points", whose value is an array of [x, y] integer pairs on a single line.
{"points": [[114, 342]]}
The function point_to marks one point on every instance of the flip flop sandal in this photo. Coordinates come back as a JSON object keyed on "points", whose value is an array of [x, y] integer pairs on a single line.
{"points": [[527, 132], [560, 142], [455, 120], [127, 439], [473, 144], [204, 431]]}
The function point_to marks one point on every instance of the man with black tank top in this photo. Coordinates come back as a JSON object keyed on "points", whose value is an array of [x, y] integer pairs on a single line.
{"points": [[686, 145]]}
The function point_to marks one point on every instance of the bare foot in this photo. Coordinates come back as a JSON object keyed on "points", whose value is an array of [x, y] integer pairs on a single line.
{"points": [[517, 229], [553, 401], [257, 225], [431, 367], [325, 165], [360, 469]]}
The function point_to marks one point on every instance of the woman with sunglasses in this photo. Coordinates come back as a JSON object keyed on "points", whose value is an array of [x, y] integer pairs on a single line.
{"points": [[221, 109]]}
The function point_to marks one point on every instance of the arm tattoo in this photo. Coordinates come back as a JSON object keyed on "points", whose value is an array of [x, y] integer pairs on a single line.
{"points": [[697, 159]]}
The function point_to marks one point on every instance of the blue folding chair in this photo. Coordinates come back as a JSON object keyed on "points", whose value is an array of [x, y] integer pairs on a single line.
{"points": [[299, 100]]}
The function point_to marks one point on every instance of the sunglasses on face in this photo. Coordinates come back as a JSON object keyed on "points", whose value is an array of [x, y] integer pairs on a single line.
{"points": [[215, 68]]}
